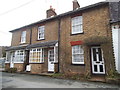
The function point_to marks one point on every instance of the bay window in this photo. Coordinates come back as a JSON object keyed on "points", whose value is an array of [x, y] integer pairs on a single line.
{"points": [[36, 55], [19, 56]]}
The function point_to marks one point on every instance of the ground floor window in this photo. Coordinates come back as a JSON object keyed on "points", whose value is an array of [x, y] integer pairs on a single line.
{"points": [[77, 54], [8, 57], [36, 55], [19, 56], [16, 56]]}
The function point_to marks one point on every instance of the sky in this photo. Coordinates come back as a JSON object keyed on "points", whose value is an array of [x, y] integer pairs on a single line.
{"points": [[18, 13]]}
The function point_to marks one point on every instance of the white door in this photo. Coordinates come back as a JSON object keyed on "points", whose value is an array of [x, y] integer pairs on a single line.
{"points": [[116, 45], [97, 61], [51, 60], [12, 60]]}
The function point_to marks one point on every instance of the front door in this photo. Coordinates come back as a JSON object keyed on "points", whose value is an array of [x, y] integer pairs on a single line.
{"points": [[12, 60], [97, 61], [51, 60]]}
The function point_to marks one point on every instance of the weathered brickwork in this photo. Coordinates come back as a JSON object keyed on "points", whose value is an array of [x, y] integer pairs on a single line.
{"points": [[16, 37], [20, 67], [95, 23], [51, 32], [96, 32], [7, 66]]}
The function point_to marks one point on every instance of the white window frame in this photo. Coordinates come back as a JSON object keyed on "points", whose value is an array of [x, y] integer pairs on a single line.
{"points": [[41, 32], [80, 53], [77, 24], [8, 57], [19, 54], [23, 37], [56, 53], [39, 53]]}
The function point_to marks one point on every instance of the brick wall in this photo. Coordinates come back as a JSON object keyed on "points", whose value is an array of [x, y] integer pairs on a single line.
{"points": [[16, 37], [20, 67], [51, 32], [95, 23]]}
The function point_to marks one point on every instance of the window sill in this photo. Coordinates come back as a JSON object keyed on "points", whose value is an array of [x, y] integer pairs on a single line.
{"points": [[76, 33], [40, 39], [78, 64], [7, 62], [22, 43], [18, 62], [36, 63]]}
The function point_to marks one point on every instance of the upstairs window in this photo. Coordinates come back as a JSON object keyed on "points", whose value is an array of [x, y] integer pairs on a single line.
{"points": [[23, 37], [77, 54], [77, 25], [41, 32]]}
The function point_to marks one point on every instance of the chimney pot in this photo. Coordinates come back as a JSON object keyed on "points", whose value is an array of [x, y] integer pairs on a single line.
{"points": [[75, 5], [50, 12], [50, 7]]}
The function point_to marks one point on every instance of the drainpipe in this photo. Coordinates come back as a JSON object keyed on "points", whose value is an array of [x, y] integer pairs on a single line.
{"points": [[30, 36], [29, 44], [27, 51], [59, 22]]}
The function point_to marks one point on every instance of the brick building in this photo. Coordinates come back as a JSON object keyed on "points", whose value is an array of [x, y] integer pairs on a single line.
{"points": [[76, 42]]}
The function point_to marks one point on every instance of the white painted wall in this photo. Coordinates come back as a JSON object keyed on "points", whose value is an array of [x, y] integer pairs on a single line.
{"points": [[119, 50], [116, 45]]}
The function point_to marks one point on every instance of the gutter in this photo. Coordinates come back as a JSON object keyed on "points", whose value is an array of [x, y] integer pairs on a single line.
{"points": [[63, 15]]}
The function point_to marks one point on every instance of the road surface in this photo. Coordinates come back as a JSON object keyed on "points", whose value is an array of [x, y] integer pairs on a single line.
{"points": [[35, 81]]}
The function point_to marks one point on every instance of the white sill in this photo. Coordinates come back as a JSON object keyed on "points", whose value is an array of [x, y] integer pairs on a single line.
{"points": [[7, 62], [36, 62], [18, 62], [77, 33], [77, 63], [41, 39], [22, 42]]}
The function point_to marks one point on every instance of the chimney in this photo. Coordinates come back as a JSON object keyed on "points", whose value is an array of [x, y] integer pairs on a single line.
{"points": [[50, 12], [75, 5]]}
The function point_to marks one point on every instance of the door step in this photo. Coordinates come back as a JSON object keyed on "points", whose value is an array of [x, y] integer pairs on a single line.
{"points": [[98, 78]]}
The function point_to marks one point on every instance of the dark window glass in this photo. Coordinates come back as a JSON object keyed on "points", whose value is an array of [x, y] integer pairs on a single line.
{"points": [[101, 68], [100, 55], [94, 54], [95, 68]]}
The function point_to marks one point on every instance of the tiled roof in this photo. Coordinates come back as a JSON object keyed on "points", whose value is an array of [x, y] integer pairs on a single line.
{"points": [[16, 47], [64, 14], [42, 44], [114, 12]]}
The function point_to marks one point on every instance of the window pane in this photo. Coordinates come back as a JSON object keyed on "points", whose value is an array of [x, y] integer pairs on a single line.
{"points": [[101, 68], [94, 54], [36, 55], [23, 37], [77, 24], [100, 55], [77, 54], [95, 68], [41, 32]]}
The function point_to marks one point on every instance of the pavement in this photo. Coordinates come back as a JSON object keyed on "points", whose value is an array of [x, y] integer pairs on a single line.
{"points": [[10, 80]]}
